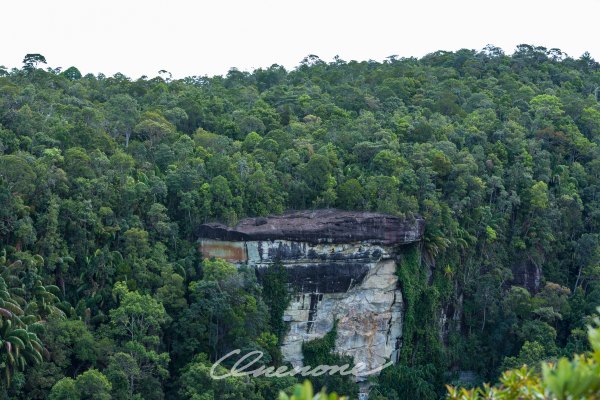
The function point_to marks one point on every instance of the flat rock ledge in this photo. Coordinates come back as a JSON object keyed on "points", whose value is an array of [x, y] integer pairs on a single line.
{"points": [[321, 226]]}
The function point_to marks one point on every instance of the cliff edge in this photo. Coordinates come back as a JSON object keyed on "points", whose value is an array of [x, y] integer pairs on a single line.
{"points": [[321, 226]]}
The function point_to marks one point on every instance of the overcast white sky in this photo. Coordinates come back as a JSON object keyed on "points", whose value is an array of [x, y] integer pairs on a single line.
{"points": [[208, 37]]}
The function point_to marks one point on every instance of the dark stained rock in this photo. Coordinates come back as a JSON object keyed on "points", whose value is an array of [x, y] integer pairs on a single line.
{"points": [[526, 274], [323, 277], [321, 226]]}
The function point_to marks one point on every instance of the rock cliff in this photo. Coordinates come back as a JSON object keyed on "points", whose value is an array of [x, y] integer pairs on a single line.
{"points": [[341, 267], [321, 226]]}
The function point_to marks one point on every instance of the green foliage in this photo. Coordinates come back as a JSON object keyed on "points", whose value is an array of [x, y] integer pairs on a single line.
{"points": [[217, 270], [539, 195], [322, 352], [23, 311], [530, 354], [276, 296], [223, 315], [318, 351], [404, 382], [64, 390], [104, 180], [515, 384], [420, 346], [196, 383], [17, 174], [351, 195], [577, 378], [138, 316], [305, 392], [91, 385], [30, 61], [139, 368]]}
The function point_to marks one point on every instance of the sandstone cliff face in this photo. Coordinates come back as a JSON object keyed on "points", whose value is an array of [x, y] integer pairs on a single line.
{"points": [[341, 267]]}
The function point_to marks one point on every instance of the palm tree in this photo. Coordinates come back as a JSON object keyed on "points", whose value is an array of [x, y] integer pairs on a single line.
{"points": [[18, 348], [9, 306], [23, 308], [34, 298]]}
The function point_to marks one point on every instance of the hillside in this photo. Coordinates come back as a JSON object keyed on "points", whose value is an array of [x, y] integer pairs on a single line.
{"points": [[104, 182]]}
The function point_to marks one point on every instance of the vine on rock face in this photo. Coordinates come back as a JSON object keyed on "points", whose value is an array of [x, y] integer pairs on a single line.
{"points": [[420, 338], [276, 296], [322, 352], [420, 369]]}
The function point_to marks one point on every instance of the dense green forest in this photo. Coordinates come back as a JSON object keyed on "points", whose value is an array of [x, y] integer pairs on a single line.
{"points": [[103, 181]]}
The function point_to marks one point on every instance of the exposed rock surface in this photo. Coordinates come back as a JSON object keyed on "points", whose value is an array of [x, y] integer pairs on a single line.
{"points": [[368, 315], [321, 226], [341, 267], [527, 274]]}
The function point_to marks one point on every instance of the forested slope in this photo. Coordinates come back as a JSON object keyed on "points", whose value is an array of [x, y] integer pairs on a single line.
{"points": [[103, 181]]}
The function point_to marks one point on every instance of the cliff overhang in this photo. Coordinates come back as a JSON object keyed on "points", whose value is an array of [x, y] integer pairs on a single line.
{"points": [[321, 226]]}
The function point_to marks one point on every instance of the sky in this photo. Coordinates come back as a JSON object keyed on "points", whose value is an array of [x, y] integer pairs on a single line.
{"points": [[196, 37]]}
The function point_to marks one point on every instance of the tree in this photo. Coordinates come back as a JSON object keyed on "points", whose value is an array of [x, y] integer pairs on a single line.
{"points": [[546, 106], [19, 347], [72, 74], [202, 326], [590, 119], [587, 257], [71, 348], [136, 242], [225, 313], [139, 368], [251, 141], [138, 371], [172, 293], [31, 61], [195, 382], [17, 174], [124, 373], [123, 114], [531, 355], [383, 195], [404, 382], [93, 385], [138, 316], [226, 206], [153, 127], [350, 195], [539, 195], [316, 172], [217, 270], [78, 163], [64, 390]]}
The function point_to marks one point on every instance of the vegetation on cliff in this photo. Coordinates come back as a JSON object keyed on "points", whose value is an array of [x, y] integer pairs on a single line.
{"points": [[103, 181]]}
